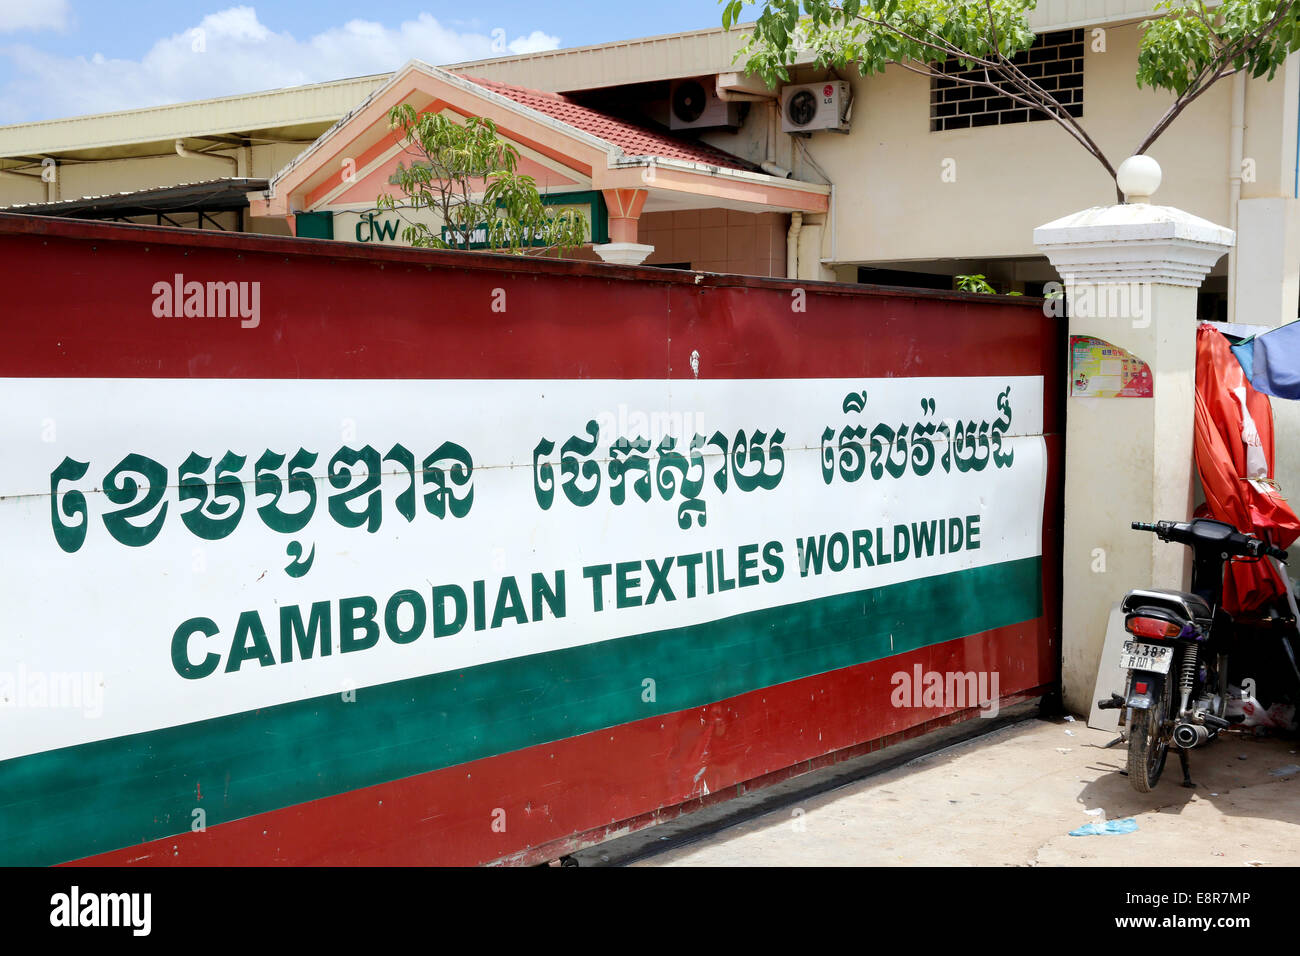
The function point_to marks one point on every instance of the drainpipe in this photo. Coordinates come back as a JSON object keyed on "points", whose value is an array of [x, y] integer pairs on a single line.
{"points": [[182, 151], [1236, 150], [773, 124], [792, 246], [832, 224]]}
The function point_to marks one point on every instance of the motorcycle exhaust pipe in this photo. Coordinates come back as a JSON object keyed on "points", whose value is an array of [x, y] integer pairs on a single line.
{"points": [[1188, 736]]}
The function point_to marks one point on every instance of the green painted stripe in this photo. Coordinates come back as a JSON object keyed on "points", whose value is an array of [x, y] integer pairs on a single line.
{"points": [[77, 801]]}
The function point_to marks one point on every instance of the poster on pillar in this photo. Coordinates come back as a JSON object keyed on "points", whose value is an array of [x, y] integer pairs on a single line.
{"points": [[1099, 369]]}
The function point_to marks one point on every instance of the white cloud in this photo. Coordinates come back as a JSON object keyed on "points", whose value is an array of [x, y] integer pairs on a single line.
{"points": [[535, 42], [33, 15], [230, 52]]}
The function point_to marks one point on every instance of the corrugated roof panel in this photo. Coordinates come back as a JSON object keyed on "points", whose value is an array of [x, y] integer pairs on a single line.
{"points": [[1062, 14], [321, 102]]}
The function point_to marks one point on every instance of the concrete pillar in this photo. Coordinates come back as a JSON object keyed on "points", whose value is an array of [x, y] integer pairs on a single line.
{"points": [[1131, 273], [625, 206]]}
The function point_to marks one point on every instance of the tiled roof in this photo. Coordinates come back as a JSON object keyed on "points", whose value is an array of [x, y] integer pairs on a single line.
{"points": [[633, 138]]}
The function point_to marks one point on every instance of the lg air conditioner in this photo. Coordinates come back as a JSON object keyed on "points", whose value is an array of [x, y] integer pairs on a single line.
{"points": [[815, 106]]}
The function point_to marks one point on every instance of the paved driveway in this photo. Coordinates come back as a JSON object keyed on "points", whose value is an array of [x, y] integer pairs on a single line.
{"points": [[1011, 797]]}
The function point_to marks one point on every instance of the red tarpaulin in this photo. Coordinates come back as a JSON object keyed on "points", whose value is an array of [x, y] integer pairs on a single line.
{"points": [[1234, 455]]}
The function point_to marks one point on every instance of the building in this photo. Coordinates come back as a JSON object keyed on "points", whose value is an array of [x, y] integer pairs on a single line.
{"points": [[918, 185]]}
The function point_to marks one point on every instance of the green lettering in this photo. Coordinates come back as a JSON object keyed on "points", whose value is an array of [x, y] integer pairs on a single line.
{"points": [[515, 608], [350, 622], [954, 534], [419, 616], [861, 548], [690, 562], [747, 572], [923, 536], [659, 580], [555, 599], [441, 626], [900, 537], [724, 583], [249, 642], [180, 649], [626, 583], [292, 631], [596, 573], [775, 563], [838, 564], [811, 552]]}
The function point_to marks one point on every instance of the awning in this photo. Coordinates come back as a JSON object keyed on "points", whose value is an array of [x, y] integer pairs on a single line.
{"points": [[211, 196]]}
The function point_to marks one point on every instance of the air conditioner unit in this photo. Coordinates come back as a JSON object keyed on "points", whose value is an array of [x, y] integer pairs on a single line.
{"points": [[694, 104], [813, 106]]}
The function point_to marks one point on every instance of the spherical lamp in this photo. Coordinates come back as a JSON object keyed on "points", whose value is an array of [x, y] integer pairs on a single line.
{"points": [[1138, 178]]}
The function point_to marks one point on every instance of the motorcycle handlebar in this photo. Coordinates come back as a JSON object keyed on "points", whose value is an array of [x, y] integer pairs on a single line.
{"points": [[1255, 547], [1258, 548]]}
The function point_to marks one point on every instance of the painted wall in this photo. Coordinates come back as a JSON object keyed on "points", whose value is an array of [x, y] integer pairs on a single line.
{"points": [[561, 722], [894, 205]]}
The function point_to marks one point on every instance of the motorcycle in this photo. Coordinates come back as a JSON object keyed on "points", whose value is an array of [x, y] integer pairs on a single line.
{"points": [[1177, 652]]}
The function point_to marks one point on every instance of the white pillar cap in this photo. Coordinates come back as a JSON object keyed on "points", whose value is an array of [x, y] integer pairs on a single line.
{"points": [[1134, 242], [624, 253]]}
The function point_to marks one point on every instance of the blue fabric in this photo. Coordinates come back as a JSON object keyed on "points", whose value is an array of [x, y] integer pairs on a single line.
{"points": [[1275, 365], [1245, 353]]}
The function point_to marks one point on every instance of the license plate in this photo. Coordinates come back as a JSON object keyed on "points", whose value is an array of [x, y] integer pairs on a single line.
{"points": [[1146, 657]]}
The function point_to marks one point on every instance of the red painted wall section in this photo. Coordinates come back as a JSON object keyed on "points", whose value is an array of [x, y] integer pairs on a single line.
{"points": [[348, 310]]}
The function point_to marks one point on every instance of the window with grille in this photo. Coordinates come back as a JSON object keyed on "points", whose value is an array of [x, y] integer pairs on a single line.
{"points": [[1055, 62]]}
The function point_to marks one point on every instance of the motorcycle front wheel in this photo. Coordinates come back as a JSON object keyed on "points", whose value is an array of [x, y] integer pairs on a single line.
{"points": [[1147, 746]]}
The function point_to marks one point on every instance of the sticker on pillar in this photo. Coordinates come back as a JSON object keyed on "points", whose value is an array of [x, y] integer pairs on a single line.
{"points": [[1101, 370]]}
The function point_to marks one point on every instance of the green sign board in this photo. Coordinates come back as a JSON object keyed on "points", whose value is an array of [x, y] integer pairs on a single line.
{"points": [[370, 225]]}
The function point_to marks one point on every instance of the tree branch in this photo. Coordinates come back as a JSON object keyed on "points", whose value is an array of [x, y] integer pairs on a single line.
{"points": [[1213, 71], [943, 46]]}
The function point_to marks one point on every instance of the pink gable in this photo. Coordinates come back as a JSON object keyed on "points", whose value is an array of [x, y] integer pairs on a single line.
{"points": [[374, 184]]}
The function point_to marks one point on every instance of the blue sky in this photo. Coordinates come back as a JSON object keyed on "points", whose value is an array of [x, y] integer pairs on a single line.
{"points": [[71, 57]]}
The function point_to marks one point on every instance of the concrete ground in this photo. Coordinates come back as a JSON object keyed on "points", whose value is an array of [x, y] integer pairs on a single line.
{"points": [[1011, 797]]}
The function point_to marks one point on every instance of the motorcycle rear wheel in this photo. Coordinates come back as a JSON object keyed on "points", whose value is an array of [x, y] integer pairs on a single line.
{"points": [[1147, 748]]}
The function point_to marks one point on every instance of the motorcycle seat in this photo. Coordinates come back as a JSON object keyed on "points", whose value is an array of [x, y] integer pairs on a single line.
{"points": [[1191, 606]]}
